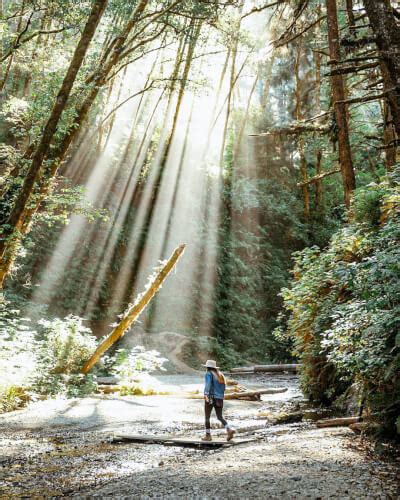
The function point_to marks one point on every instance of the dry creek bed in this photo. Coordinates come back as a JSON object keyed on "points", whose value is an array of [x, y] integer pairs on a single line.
{"points": [[62, 448]]}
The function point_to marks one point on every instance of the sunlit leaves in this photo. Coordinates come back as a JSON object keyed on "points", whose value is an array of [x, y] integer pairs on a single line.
{"points": [[344, 303]]}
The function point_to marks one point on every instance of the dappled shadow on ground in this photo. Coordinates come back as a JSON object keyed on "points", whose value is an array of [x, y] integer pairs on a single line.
{"points": [[295, 460], [304, 463], [63, 448]]}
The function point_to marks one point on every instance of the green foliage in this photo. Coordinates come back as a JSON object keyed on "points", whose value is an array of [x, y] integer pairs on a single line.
{"points": [[253, 265], [63, 347], [201, 346], [367, 204], [344, 306], [17, 345], [128, 364], [13, 398]]}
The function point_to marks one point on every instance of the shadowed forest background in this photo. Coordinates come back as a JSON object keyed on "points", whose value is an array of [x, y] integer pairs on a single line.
{"points": [[263, 135]]}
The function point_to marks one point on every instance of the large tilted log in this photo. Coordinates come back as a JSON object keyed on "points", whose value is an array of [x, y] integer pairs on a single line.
{"points": [[337, 422], [133, 312], [267, 368]]}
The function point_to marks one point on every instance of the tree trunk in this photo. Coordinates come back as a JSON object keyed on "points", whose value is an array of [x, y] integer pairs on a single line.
{"points": [[15, 219], [299, 116], [338, 94], [133, 312], [387, 36], [350, 17], [389, 137], [318, 184], [243, 123]]}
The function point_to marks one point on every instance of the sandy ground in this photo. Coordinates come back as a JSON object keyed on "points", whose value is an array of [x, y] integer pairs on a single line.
{"points": [[62, 448]]}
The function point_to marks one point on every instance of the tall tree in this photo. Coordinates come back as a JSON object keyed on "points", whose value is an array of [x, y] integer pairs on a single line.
{"points": [[387, 36], [15, 219], [338, 98]]}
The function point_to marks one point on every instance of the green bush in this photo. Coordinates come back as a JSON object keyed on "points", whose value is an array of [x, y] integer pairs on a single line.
{"points": [[128, 364], [343, 307], [17, 345], [63, 347], [13, 398]]}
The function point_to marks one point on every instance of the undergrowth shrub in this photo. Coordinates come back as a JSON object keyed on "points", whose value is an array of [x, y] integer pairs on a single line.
{"points": [[343, 307], [17, 345], [127, 364], [63, 347], [13, 398], [133, 367]]}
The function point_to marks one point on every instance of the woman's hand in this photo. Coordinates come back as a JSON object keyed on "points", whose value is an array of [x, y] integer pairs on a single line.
{"points": [[206, 399]]}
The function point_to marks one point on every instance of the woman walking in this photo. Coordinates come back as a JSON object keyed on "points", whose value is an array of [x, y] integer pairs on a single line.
{"points": [[214, 391]]}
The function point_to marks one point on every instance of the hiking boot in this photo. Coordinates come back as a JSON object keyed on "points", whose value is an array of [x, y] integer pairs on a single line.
{"points": [[230, 435], [206, 437]]}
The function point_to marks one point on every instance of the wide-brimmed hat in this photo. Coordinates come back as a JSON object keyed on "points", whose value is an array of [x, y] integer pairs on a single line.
{"points": [[210, 363]]}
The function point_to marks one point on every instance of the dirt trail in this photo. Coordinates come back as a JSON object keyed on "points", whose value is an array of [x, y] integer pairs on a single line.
{"points": [[62, 448]]}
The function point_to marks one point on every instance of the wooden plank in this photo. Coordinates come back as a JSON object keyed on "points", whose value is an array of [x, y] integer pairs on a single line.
{"points": [[177, 441]]}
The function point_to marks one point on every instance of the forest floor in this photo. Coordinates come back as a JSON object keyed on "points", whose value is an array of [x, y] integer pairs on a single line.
{"points": [[63, 448]]}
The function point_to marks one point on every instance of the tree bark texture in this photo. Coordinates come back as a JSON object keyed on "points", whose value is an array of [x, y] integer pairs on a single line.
{"points": [[338, 94], [387, 37]]}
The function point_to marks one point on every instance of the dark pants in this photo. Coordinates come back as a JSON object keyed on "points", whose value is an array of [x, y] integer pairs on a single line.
{"points": [[218, 406]]}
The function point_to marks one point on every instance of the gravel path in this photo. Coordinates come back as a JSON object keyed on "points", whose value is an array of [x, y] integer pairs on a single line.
{"points": [[62, 448]]}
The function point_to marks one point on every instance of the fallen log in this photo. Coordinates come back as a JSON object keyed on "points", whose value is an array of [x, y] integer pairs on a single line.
{"points": [[245, 372], [255, 395], [243, 369], [134, 311], [293, 367], [108, 380], [108, 388], [338, 422]]}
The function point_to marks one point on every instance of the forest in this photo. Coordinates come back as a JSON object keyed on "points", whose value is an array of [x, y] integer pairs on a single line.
{"points": [[263, 135]]}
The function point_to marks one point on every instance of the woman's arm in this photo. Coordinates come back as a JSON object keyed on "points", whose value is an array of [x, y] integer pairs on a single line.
{"points": [[207, 387]]}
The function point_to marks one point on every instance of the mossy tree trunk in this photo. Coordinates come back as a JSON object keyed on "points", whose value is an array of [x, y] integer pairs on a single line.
{"points": [[340, 109]]}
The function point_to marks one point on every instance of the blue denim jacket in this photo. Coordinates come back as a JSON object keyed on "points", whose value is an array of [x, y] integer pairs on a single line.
{"points": [[213, 387]]}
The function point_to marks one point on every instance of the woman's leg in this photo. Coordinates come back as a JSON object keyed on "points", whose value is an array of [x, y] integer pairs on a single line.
{"points": [[218, 411], [207, 411]]}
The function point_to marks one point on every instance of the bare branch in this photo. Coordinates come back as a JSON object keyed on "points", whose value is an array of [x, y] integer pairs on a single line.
{"points": [[260, 9], [19, 42], [351, 69], [367, 98], [280, 42], [318, 177], [294, 129]]}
